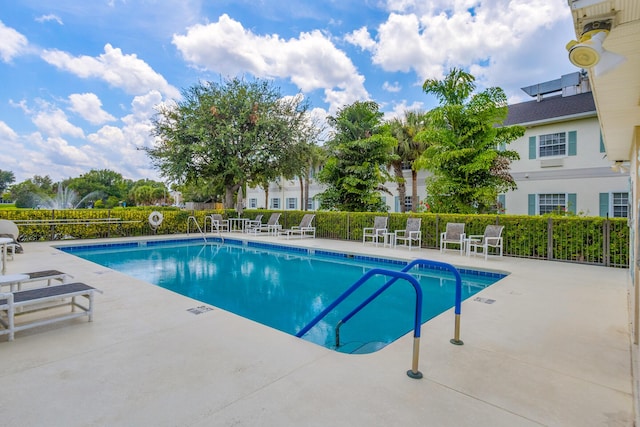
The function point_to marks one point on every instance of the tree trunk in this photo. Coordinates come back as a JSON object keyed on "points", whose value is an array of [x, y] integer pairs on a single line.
{"points": [[266, 197], [306, 193], [302, 195], [402, 189], [414, 190]]}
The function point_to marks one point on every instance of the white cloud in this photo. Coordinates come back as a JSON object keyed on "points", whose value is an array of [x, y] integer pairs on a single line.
{"points": [[401, 107], [50, 17], [89, 107], [428, 38], [392, 87], [53, 122], [310, 61], [126, 72], [13, 43], [6, 133], [361, 38]]}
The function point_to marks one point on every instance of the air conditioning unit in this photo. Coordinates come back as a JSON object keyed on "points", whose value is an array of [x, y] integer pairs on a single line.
{"points": [[551, 163]]}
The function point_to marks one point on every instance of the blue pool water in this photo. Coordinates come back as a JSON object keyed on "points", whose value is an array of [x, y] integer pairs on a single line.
{"points": [[285, 288]]}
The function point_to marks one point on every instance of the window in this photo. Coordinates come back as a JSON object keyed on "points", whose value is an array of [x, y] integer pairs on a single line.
{"points": [[406, 166], [553, 144], [310, 204], [275, 203], [253, 203], [620, 205], [292, 203], [407, 203], [548, 203]]}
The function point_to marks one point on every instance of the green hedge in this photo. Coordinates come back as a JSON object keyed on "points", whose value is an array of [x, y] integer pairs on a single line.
{"points": [[592, 240]]}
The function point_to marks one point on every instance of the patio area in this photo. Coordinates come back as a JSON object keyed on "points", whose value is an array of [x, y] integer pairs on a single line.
{"points": [[553, 349]]}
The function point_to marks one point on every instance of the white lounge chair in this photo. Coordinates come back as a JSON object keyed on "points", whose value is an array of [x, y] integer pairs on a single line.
{"points": [[305, 229], [9, 229], [410, 234], [492, 238], [454, 235], [272, 226], [17, 303], [375, 233]]}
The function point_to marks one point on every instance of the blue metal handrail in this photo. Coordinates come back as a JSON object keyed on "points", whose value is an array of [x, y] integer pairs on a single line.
{"points": [[422, 262], [413, 373]]}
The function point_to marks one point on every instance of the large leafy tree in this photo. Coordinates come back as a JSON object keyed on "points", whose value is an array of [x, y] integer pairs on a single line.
{"points": [[104, 183], [467, 145], [6, 178], [228, 134], [27, 193], [357, 154]]}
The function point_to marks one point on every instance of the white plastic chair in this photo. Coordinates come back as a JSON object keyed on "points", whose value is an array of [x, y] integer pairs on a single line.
{"points": [[411, 233]]}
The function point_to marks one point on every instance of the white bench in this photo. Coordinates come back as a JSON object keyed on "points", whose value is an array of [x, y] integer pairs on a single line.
{"points": [[46, 298]]}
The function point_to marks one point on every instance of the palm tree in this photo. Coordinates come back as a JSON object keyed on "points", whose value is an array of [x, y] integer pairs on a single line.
{"points": [[408, 150]]}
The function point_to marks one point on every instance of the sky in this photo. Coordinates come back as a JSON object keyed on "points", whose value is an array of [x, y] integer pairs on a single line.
{"points": [[81, 80]]}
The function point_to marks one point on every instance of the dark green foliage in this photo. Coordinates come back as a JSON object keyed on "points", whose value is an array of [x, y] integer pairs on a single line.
{"points": [[355, 171]]}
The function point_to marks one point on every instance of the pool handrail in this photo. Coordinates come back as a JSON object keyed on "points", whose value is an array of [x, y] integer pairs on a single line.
{"points": [[421, 262], [195, 221], [413, 372]]}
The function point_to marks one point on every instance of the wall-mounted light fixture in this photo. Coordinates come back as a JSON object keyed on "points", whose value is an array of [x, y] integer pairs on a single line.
{"points": [[588, 51], [621, 166]]}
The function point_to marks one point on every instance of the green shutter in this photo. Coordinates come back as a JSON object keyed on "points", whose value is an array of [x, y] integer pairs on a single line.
{"points": [[573, 143], [571, 202], [602, 149], [604, 204], [397, 199], [532, 147], [532, 204], [502, 203]]}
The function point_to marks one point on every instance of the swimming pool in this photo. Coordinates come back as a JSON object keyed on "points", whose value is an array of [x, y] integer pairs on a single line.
{"points": [[286, 287]]}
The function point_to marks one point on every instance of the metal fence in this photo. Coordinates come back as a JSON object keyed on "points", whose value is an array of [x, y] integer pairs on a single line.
{"points": [[589, 240]]}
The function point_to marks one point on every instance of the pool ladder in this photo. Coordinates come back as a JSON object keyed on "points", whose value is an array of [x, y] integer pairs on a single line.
{"points": [[395, 276], [193, 219]]}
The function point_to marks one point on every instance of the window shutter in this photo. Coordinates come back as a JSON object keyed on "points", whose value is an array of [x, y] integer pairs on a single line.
{"points": [[602, 149], [532, 204], [397, 200], [571, 202], [502, 206], [573, 143], [604, 204], [532, 147]]}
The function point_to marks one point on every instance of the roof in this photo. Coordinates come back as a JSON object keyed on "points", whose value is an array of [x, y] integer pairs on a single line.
{"points": [[551, 109]]}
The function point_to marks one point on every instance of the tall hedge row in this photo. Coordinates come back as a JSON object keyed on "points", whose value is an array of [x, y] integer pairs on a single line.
{"points": [[592, 240]]}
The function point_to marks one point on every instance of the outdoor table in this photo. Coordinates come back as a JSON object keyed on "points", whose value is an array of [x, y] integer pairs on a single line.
{"points": [[237, 224], [389, 239]]}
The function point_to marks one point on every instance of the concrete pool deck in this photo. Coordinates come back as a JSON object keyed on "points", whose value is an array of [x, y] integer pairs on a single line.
{"points": [[553, 349]]}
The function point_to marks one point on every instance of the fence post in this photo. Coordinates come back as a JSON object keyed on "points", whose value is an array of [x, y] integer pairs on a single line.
{"points": [[549, 239], [606, 243], [52, 229]]}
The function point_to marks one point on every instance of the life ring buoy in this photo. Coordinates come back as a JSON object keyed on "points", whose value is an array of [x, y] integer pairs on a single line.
{"points": [[155, 219]]}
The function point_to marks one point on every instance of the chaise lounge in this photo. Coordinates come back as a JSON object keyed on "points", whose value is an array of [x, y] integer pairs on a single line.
{"points": [[305, 229], [13, 304]]}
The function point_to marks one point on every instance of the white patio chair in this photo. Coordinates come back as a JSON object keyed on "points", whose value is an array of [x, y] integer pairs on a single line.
{"points": [[492, 238], [375, 233], [454, 235], [410, 234]]}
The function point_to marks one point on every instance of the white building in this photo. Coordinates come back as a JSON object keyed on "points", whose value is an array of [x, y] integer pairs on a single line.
{"points": [[562, 162]]}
